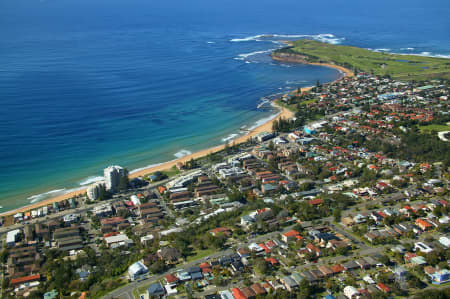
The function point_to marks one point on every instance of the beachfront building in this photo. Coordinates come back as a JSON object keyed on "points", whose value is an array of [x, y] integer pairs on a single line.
{"points": [[93, 191], [112, 177]]}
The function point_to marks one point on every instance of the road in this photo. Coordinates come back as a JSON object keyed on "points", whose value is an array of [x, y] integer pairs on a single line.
{"points": [[127, 291], [84, 208]]}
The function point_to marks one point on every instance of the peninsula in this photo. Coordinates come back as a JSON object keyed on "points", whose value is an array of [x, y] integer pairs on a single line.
{"points": [[396, 66]]}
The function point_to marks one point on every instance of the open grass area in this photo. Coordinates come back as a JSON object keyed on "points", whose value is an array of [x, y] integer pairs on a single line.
{"points": [[308, 102], [292, 107], [171, 172], [437, 128], [200, 254], [402, 67]]}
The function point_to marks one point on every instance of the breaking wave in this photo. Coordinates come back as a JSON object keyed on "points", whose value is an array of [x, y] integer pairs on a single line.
{"points": [[91, 180], [229, 137], [277, 38], [182, 153], [38, 197]]}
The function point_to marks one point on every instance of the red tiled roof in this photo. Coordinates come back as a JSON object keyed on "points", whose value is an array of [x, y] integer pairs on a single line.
{"points": [[237, 294], [409, 255], [317, 201], [220, 230], [383, 287], [270, 244], [263, 246], [423, 223], [29, 278], [291, 233], [272, 260], [337, 268], [311, 247], [171, 278]]}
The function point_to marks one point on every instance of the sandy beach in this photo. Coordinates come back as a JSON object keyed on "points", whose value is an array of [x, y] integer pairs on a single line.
{"points": [[267, 126]]}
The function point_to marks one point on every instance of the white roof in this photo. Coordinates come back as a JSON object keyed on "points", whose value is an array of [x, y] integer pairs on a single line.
{"points": [[350, 291], [368, 279], [226, 295], [444, 241], [11, 236], [137, 268], [116, 239], [147, 237], [255, 247]]}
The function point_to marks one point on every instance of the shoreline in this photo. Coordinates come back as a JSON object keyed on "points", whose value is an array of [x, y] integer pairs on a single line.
{"points": [[267, 126]]}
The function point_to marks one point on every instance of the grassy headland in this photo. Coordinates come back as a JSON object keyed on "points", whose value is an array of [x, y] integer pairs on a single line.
{"points": [[401, 67]]}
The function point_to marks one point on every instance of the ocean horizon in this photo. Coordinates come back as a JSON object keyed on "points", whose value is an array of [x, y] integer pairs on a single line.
{"points": [[86, 85]]}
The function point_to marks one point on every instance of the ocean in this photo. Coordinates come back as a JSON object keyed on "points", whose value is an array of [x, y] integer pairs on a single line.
{"points": [[86, 84]]}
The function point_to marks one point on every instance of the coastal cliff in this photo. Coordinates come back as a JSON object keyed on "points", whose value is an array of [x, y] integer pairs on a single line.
{"points": [[289, 57], [398, 66]]}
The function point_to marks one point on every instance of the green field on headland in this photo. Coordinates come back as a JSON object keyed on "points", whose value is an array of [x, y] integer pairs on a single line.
{"points": [[401, 67]]}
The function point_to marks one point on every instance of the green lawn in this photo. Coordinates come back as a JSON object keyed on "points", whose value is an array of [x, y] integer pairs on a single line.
{"points": [[402, 67], [171, 172], [437, 128], [292, 108], [308, 102], [200, 254]]}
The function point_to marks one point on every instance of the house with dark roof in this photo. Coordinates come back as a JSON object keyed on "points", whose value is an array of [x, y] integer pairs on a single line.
{"points": [[350, 265], [156, 290], [169, 255], [290, 284]]}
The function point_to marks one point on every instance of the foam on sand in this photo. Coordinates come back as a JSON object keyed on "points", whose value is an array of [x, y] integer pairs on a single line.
{"points": [[182, 153]]}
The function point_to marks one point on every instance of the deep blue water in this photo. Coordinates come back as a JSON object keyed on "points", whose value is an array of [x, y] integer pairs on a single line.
{"points": [[85, 84]]}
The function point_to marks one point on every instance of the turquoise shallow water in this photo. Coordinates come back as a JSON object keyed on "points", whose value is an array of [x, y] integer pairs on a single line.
{"points": [[84, 85]]}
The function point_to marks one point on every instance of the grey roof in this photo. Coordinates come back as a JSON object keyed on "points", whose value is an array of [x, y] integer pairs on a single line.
{"points": [[155, 289], [290, 282], [370, 260], [196, 275], [308, 276], [350, 265], [194, 269]]}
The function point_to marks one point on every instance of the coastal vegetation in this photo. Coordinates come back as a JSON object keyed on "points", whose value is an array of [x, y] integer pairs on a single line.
{"points": [[397, 66], [434, 127]]}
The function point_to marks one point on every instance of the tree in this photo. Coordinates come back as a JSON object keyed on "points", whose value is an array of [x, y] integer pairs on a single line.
{"points": [[384, 259], [158, 267], [261, 266], [124, 181], [103, 194], [432, 258], [304, 290], [337, 213]]}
